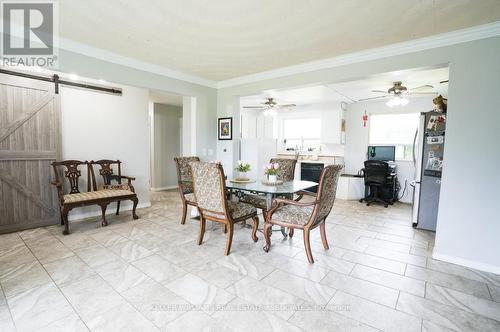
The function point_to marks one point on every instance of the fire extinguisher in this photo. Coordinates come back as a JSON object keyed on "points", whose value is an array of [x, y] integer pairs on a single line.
{"points": [[365, 119]]}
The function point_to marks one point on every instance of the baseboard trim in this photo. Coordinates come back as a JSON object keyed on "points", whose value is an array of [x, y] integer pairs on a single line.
{"points": [[467, 263], [84, 215], [164, 188]]}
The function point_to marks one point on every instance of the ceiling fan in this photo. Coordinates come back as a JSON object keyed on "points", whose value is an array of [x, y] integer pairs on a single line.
{"points": [[270, 106], [398, 90]]}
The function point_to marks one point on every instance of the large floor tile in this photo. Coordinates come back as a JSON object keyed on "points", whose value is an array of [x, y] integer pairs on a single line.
{"points": [[240, 316], [121, 275], [375, 315], [159, 269], [38, 307], [365, 289], [97, 256], [307, 290], [155, 302], [68, 270], [397, 256], [448, 280], [130, 251], [463, 301], [123, 317], [375, 261], [462, 271], [199, 292], [48, 253], [330, 262], [389, 279], [197, 320], [445, 315], [71, 323], [495, 292], [327, 321], [12, 257], [217, 274], [6, 322], [258, 293], [92, 296], [23, 277], [246, 266]]}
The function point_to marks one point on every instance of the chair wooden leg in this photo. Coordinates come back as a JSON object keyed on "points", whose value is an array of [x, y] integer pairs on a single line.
{"points": [[307, 245], [323, 236], [229, 238], [61, 214], [202, 230], [225, 229], [267, 236], [65, 212], [184, 213], [118, 207], [254, 228], [290, 232], [104, 222], [136, 201]]}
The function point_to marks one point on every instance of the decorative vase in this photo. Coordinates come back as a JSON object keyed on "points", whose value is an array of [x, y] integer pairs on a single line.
{"points": [[243, 175], [272, 178]]}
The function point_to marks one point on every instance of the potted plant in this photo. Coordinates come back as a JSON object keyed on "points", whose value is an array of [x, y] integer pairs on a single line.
{"points": [[271, 170], [243, 168]]}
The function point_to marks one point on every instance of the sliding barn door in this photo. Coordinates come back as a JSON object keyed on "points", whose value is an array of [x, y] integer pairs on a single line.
{"points": [[30, 139]]}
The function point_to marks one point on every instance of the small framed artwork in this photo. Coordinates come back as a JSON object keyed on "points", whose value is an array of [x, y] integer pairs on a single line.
{"points": [[225, 129]]}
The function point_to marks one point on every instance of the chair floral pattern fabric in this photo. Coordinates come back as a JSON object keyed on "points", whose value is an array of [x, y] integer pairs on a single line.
{"points": [[291, 214], [184, 172], [255, 200], [237, 210], [327, 191], [286, 172], [208, 190]]}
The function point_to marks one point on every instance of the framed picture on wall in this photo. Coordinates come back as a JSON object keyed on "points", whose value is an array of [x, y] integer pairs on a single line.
{"points": [[225, 126]]}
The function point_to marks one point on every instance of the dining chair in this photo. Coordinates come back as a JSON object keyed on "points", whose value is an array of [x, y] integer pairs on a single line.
{"points": [[184, 181], [209, 188], [307, 215], [286, 172]]}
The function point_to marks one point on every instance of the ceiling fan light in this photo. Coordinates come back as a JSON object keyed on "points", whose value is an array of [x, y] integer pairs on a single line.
{"points": [[265, 112], [404, 101], [272, 112]]}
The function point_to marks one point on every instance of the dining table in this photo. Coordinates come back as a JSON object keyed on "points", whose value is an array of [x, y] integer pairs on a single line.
{"points": [[270, 191]]}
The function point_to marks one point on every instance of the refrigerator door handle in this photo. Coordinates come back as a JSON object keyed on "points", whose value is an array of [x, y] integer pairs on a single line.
{"points": [[414, 147]]}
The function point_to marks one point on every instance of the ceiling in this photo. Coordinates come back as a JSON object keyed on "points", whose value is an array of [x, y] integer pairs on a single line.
{"points": [[223, 39], [162, 97], [353, 91]]}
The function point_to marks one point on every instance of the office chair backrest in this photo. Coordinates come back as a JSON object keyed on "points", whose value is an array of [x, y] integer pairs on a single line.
{"points": [[376, 172]]}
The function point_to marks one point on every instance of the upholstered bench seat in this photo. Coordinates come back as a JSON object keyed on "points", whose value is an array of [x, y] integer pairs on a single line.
{"points": [[88, 196]]}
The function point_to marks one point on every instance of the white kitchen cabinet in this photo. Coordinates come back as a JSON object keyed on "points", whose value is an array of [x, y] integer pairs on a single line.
{"points": [[255, 125]]}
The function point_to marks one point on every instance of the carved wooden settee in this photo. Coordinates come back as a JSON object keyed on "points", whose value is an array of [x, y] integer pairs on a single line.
{"points": [[101, 195]]}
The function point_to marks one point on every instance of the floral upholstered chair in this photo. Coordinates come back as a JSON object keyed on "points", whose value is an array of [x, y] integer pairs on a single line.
{"points": [[305, 216], [210, 195], [286, 172], [184, 180]]}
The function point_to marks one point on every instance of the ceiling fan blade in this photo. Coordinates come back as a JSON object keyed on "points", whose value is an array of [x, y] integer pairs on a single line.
{"points": [[253, 107], [371, 98], [446, 81], [380, 91], [426, 86], [287, 105], [423, 93]]}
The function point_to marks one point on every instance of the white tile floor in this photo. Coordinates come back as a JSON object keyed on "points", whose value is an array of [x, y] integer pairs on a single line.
{"points": [[149, 274]]}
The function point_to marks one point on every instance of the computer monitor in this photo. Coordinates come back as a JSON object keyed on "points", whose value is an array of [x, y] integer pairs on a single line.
{"points": [[384, 153]]}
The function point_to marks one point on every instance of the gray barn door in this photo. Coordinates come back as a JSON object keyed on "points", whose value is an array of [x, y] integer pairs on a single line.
{"points": [[30, 139]]}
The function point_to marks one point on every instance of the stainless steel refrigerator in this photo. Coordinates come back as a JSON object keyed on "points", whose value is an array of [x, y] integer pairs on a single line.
{"points": [[428, 150]]}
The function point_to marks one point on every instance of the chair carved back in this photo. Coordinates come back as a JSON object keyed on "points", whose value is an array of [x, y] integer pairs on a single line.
{"points": [[71, 171], [106, 171], [209, 187], [327, 190], [286, 172], [184, 175]]}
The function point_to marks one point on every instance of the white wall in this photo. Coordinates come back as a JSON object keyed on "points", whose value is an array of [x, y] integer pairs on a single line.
{"points": [[166, 145], [357, 137], [467, 227], [103, 126]]}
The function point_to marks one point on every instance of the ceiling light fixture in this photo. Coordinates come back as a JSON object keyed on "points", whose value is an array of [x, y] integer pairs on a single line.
{"points": [[397, 101]]}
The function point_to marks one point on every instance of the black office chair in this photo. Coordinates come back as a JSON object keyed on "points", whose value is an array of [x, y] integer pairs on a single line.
{"points": [[376, 179]]}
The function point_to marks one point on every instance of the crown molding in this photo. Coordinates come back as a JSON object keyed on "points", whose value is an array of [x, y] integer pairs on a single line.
{"points": [[85, 49], [416, 45]]}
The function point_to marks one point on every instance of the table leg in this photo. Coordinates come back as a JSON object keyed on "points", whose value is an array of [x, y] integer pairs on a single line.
{"points": [[269, 203]]}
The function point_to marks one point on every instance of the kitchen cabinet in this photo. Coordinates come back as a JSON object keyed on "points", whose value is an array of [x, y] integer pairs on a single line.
{"points": [[331, 126]]}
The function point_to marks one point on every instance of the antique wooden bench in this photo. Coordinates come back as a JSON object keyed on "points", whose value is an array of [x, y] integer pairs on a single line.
{"points": [[103, 194]]}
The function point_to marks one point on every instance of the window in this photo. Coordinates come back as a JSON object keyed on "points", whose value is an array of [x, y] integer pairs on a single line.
{"points": [[304, 133], [395, 129]]}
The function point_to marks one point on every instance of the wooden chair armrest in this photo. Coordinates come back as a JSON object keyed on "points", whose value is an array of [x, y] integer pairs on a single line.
{"points": [[131, 178], [303, 193]]}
